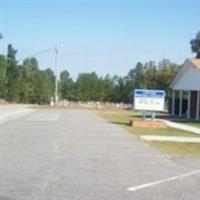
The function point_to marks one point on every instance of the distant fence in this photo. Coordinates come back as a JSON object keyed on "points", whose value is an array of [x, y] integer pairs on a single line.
{"points": [[94, 105]]}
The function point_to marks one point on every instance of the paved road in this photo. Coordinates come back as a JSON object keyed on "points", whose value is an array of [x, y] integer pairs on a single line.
{"points": [[76, 155], [12, 111]]}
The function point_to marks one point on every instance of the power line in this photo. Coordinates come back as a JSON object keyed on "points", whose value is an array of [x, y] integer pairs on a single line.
{"points": [[56, 67], [37, 54]]}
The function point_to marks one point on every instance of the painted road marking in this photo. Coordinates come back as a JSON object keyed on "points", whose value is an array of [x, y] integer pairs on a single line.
{"points": [[146, 185]]}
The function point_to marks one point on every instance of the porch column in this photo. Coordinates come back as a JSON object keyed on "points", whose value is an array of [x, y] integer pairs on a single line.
{"points": [[197, 107], [189, 104], [173, 102], [180, 103]]}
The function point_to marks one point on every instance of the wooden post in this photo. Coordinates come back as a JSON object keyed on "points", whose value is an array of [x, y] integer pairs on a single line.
{"points": [[189, 104], [173, 102], [197, 107], [180, 103]]}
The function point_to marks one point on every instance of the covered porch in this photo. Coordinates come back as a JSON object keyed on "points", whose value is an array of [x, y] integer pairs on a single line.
{"points": [[186, 90], [192, 108]]}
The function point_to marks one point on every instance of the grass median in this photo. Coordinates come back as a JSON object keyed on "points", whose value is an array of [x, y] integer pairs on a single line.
{"points": [[122, 118]]}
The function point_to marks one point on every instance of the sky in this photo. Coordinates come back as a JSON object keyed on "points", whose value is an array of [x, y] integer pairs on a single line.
{"points": [[108, 37]]}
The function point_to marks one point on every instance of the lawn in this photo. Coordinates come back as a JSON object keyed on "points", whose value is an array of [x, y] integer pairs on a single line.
{"points": [[193, 124], [122, 118]]}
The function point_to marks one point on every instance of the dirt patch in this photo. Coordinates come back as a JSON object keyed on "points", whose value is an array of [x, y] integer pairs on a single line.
{"points": [[3, 102], [147, 124]]}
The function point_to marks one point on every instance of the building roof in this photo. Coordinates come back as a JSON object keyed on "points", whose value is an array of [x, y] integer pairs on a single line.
{"points": [[196, 62], [188, 78]]}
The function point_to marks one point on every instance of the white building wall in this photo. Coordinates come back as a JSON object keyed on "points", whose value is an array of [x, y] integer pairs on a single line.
{"points": [[190, 80]]}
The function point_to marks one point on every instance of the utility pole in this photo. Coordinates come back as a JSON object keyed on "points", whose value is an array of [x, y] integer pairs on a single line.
{"points": [[56, 50], [56, 77]]}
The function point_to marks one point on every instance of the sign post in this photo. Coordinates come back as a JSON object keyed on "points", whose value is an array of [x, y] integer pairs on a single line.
{"points": [[149, 100]]}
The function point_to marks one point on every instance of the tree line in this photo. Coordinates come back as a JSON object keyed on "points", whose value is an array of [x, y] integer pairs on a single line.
{"points": [[89, 86], [27, 83]]}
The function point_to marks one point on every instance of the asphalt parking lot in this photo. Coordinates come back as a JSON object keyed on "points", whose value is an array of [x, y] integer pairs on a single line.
{"points": [[76, 155]]}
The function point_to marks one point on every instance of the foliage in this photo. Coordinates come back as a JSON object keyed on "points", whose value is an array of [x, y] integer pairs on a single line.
{"points": [[3, 66], [11, 74], [24, 83], [27, 83], [1, 36], [66, 86], [86, 86], [195, 45]]}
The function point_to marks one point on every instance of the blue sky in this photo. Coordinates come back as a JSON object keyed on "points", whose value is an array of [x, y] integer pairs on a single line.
{"points": [[103, 36]]}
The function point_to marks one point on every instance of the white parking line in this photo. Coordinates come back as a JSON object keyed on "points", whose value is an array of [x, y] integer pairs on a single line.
{"points": [[146, 185]]}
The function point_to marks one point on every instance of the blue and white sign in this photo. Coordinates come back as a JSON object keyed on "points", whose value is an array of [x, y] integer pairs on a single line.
{"points": [[152, 100]]}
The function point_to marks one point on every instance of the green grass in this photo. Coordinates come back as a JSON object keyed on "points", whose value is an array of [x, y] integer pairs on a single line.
{"points": [[122, 118], [189, 122], [178, 149], [194, 124]]}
